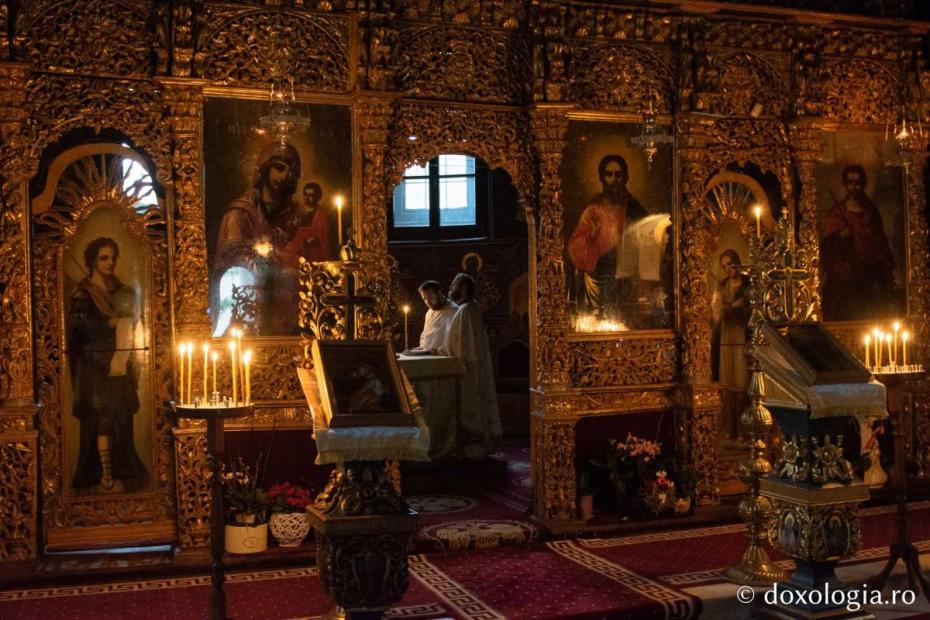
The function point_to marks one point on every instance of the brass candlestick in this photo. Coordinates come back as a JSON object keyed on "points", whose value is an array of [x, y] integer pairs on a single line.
{"points": [[754, 567]]}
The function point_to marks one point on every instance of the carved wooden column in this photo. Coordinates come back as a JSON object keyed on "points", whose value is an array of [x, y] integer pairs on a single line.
{"points": [[373, 114], [18, 437], [553, 428], [698, 400], [806, 147], [190, 295]]}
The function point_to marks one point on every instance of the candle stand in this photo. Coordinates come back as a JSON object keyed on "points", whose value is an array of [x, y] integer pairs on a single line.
{"points": [[215, 414], [902, 548]]}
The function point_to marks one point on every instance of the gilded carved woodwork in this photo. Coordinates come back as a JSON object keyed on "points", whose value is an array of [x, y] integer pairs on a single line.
{"points": [[92, 37], [813, 459], [918, 272], [58, 104], [238, 46], [696, 424], [806, 146], [500, 138], [607, 22], [622, 77], [443, 62], [592, 401], [549, 125], [373, 115], [506, 14], [747, 84], [845, 99], [554, 468], [193, 486], [18, 492], [87, 185], [606, 362]]}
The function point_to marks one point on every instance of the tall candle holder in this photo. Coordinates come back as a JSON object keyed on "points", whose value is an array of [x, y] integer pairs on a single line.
{"points": [[895, 379], [215, 413]]}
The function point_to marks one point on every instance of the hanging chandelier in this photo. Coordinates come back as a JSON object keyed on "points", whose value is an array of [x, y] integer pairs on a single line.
{"points": [[283, 120], [903, 139], [651, 134]]}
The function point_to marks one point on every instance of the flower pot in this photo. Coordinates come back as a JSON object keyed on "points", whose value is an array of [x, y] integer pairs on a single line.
{"points": [[247, 539], [289, 528], [683, 505], [585, 506]]}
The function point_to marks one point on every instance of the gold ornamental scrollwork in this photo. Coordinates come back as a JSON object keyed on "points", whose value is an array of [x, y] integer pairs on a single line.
{"points": [[500, 138], [194, 491], [464, 64], [844, 98], [622, 361], [507, 14], [554, 469], [18, 492], [237, 44], [646, 77], [92, 37]]}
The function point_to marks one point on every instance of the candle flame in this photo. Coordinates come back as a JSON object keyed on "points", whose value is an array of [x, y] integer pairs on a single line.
{"points": [[232, 346], [758, 211], [906, 335], [190, 347], [206, 348], [896, 325], [868, 339], [214, 356], [263, 248], [247, 357], [406, 308], [588, 323], [339, 201]]}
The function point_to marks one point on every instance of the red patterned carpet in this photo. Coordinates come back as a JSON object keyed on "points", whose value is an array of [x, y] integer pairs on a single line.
{"points": [[631, 577]]}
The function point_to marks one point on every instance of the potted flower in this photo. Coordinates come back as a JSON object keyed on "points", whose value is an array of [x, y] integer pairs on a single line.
{"points": [[289, 523], [659, 493], [246, 506], [629, 462]]}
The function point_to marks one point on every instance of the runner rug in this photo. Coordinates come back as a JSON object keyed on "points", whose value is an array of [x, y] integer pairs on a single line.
{"points": [[555, 580]]}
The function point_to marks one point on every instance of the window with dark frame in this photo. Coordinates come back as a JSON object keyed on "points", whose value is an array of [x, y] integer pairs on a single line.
{"points": [[448, 198]]}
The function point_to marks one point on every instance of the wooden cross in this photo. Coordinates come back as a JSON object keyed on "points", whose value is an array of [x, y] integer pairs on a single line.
{"points": [[350, 300], [791, 276]]}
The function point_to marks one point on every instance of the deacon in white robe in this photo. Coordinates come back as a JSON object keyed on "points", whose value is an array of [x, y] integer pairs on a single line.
{"points": [[467, 339], [438, 318]]}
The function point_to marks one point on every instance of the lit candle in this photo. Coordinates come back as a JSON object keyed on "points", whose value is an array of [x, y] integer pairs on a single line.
{"points": [[758, 211], [206, 354], [232, 368], [214, 355], [190, 372], [246, 360], [867, 341], [894, 350], [888, 342], [238, 334], [406, 340], [181, 350], [877, 340], [904, 338], [878, 347], [339, 216]]}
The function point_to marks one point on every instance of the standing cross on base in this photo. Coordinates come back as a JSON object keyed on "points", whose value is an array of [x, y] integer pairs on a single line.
{"points": [[349, 299]]}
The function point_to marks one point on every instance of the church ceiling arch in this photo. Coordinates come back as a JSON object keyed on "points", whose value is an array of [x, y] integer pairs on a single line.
{"points": [[622, 77], [239, 47], [96, 37], [464, 63], [500, 138]]}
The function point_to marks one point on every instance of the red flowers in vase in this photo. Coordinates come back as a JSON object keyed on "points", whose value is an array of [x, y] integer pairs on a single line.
{"points": [[287, 497]]}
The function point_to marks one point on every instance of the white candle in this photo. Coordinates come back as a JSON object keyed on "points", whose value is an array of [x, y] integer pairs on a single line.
{"points": [[876, 339], [406, 339], [339, 216], [206, 355], [894, 350], [867, 341], [904, 338], [190, 372], [888, 342], [232, 368], [181, 351], [214, 355], [246, 360]]}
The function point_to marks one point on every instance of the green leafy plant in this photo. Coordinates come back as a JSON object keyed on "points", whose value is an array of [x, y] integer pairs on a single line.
{"points": [[245, 500]]}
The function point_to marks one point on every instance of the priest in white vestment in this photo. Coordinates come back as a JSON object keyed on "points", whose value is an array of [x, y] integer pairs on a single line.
{"points": [[467, 339], [438, 318]]}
